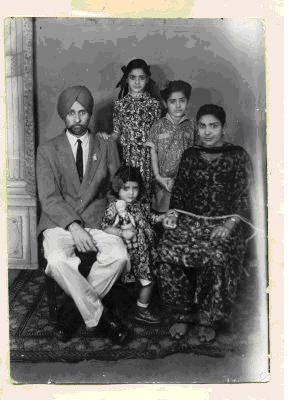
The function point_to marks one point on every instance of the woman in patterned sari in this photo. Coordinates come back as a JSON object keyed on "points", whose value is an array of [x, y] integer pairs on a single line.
{"points": [[200, 260]]}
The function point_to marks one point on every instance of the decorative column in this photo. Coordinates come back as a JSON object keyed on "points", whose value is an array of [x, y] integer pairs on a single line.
{"points": [[21, 186]]}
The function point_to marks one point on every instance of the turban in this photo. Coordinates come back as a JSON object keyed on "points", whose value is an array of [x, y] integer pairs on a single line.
{"points": [[68, 97]]}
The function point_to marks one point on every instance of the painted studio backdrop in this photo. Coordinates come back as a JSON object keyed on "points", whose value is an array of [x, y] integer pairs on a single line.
{"points": [[223, 60]]}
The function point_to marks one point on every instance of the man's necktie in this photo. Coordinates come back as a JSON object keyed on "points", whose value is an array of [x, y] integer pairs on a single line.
{"points": [[79, 160]]}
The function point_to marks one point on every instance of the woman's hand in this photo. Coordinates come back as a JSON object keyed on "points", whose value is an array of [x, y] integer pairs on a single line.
{"points": [[225, 230], [221, 231]]}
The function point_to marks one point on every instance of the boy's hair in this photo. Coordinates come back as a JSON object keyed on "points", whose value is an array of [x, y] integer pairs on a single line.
{"points": [[135, 64], [125, 174], [213, 110], [176, 85]]}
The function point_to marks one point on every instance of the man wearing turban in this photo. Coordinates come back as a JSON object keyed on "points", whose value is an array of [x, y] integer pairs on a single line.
{"points": [[73, 173]]}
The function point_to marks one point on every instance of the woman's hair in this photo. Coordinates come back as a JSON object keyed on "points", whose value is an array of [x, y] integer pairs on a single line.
{"points": [[123, 175], [135, 64], [176, 85], [213, 110]]}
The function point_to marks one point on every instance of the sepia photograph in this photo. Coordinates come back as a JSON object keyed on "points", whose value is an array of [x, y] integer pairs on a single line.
{"points": [[137, 200]]}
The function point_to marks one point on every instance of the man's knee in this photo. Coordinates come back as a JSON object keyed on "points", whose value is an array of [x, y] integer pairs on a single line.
{"points": [[55, 263], [119, 251], [122, 258]]}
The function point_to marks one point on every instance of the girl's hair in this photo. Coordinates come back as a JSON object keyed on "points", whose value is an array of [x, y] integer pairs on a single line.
{"points": [[125, 174], [135, 64], [213, 110], [176, 85]]}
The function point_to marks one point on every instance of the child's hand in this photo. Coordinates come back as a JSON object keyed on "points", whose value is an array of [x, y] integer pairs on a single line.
{"points": [[128, 234], [103, 135], [149, 144], [170, 184], [127, 226], [166, 182]]}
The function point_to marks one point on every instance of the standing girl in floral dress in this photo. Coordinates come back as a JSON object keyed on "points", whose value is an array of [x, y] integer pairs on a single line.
{"points": [[169, 137], [133, 115]]}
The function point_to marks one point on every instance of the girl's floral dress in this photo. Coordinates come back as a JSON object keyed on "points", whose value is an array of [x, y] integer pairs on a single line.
{"points": [[132, 120], [142, 250]]}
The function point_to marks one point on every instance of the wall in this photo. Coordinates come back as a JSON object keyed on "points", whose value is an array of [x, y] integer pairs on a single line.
{"points": [[223, 60]]}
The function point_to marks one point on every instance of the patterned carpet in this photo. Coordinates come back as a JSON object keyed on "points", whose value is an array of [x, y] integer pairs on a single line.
{"points": [[32, 338]]}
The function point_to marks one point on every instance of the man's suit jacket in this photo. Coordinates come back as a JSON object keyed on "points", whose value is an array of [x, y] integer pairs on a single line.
{"points": [[63, 199]]}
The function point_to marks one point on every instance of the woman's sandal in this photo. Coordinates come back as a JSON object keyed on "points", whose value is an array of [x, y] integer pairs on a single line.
{"points": [[206, 334], [179, 330]]}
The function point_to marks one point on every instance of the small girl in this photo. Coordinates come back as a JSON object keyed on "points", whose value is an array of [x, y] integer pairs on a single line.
{"points": [[169, 137], [133, 115], [127, 185]]}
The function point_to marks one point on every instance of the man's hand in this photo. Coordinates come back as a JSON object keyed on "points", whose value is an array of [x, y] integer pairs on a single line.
{"points": [[83, 240]]}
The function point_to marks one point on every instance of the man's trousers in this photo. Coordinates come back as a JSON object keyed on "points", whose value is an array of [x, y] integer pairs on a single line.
{"points": [[62, 266]]}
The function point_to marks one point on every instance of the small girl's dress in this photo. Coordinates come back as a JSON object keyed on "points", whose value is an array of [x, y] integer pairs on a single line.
{"points": [[132, 120], [142, 250]]}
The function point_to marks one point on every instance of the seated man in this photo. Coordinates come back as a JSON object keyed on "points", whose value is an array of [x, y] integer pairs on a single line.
{"points": [[73, 173]]}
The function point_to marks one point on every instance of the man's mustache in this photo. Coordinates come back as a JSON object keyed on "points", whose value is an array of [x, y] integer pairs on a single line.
{"points": [[78, 128]]}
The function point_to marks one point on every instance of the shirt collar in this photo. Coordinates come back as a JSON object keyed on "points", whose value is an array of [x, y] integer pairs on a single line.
{"points": [[73, 139], [168, 117]]}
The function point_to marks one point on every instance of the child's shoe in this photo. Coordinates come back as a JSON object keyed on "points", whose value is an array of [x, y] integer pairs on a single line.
{"points": [[145, 315]]}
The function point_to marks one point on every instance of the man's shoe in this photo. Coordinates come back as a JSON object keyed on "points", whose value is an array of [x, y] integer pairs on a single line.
{"points": [[113, 328], [68, 320], [144, 315], [62, 334]]}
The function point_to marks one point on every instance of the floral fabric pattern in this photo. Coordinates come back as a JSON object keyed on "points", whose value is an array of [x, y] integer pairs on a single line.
{"points": [[142, 251], [210, 189], [216, 187], [132, 120]]}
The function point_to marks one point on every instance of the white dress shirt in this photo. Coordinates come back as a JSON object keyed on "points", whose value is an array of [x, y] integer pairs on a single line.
{"points": [[85, 146]]}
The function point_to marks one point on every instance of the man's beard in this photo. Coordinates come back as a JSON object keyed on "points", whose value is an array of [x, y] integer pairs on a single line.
{"points": [[77, 129]]}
